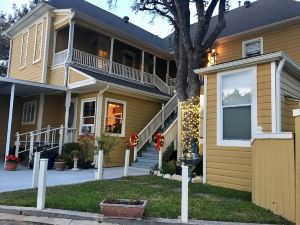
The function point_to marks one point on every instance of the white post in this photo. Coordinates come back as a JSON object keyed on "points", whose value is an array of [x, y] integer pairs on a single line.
{"points": [[168, 72], [9, 124], [179, 132], [17, 143], [163, 116], [48, 135], [112, 41], [185, 194], [40, 116], [127, 155], [42, 184], [31, 146], [160, 159], [67, 105], [143, 65], [61, 139], [154, 64], [135, 153], [35, 171], [99, 174]]}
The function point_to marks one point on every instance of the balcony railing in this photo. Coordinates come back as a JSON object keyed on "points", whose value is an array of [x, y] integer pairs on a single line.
{"points": [[60, 57], [118, 70]]}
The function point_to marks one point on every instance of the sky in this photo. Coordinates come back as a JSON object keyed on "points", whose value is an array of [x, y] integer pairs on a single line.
{"points": [[160, 27]]}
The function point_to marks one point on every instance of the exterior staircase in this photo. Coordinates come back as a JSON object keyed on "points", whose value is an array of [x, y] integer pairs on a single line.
{"points": [[149, 158]]}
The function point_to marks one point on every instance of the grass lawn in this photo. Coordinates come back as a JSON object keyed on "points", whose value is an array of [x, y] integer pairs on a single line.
{"points": [[205, 202]]}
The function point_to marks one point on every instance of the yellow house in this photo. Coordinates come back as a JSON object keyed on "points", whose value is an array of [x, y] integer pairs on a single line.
{"points": [[75, 69]]}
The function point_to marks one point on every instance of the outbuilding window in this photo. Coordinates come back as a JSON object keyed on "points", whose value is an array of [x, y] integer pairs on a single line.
{"points": [[236, 107], [253, 47], [88, 116], [29, 111]]}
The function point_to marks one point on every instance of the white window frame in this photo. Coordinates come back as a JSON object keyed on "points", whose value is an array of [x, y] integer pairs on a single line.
{"points": [[25, 55], [34, 114], [81, 113], [236, 143], [41, 42], [260, 39], [124, 117]]}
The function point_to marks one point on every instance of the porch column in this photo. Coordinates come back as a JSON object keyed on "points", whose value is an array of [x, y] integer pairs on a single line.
{"points": [[143, 66], [40, 115], [70, 50], [154, 64], [112, 42], [67, 105], [9, 124], [168, 72]]}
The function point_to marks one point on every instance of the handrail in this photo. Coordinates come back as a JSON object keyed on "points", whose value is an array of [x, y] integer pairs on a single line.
{"points": [[170, 134], [157, 121]]}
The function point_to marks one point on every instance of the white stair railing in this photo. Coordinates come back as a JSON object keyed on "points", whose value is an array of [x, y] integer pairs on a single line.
{"points": [[146, 134]]}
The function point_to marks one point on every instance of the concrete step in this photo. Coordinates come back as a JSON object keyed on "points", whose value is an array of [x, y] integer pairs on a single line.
{"points": [[142, 166]]}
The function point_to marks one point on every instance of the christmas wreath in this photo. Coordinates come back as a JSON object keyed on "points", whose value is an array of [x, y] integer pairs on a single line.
{"points": [[159, 141], [133, 141]]}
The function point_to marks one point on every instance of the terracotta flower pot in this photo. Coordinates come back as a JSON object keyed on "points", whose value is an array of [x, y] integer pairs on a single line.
{"points": [[11, 166]]}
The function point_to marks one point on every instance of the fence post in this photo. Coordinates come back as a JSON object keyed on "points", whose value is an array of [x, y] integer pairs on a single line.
{"points": [[160, 159], [99, 174], [184, 194], [296, 114], [17, 143], [42, 184], [61, 139], [163, 116], [135, 153], [31, 146], [127, 155], [35, 171], [48, 135]]}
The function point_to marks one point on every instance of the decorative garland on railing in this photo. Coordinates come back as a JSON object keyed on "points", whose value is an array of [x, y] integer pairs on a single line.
{"points": [[133, 141], [159, 140]]}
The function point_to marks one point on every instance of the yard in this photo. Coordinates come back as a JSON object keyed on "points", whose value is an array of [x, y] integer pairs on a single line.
{"points": [[205, 202]]}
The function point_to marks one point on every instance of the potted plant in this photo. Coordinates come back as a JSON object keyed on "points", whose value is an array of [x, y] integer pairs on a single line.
{"points": [[59, 163], [11, 162], [75, 154], [123, 208]]}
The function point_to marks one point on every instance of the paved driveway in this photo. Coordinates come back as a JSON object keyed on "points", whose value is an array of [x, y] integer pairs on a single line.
{"points": [[22, 177]]}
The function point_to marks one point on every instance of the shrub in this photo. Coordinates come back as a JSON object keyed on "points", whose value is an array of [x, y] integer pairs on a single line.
{"points": [[169, 168]]}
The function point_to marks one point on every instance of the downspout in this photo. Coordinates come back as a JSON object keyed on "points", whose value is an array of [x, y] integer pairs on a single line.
{"points": [[69, 54], [278, 94], [99, 111]]}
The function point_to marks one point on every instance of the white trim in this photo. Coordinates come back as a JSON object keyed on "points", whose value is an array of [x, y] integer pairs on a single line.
{"points": [[123, 118], [41, 42], [81, 113], [74, 100], [62, 11], [204, 130], [99, 111], [40, 112], [296, 112], [46, 49], [244, 43], [273, 96], [25, 55], [9, 58], [82, 83], [179, 141], [219, 131], [282, 135], [34, 102]]}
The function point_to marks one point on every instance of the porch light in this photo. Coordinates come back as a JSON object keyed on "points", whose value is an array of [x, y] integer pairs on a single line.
{"points": [[212, 57]]}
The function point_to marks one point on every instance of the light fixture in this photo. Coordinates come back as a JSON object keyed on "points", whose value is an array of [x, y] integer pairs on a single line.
{"points": [[212, 57]]}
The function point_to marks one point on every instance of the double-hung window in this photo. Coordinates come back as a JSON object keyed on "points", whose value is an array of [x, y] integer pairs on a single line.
{"points": [[236, 107], [115, 117], [88, 116], [253, 47], [29, 111]]}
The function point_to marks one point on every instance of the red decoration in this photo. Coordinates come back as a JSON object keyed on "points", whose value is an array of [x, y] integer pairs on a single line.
{"points": [[159, 141], [12, 158], [133, 141]]}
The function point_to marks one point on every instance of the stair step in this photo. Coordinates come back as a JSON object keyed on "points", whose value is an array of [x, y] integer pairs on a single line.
{"points": [[147, 163], [150, 155], [147, 160], [153, 157]]}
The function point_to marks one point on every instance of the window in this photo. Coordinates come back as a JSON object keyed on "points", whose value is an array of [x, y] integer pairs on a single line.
{"points": [[38, 42], [29, 111], [87, 119], [115, 114], [236, 107], [253, 47], [24, 50]]}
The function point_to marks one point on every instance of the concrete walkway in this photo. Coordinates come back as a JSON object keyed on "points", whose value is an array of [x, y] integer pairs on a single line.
{"points": [[22, 177]]}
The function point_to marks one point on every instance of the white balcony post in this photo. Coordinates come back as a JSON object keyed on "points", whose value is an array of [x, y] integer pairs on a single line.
{"points": [[112, 42], [42, 184], [154, 65], [71, 40], [127, 155], [61, 139], [67, 105], [31, 146], [17, 144], [184, 194], [143, 66], [48, 135], [168, 73], [35, 171], [99, 174], [10, 116], [163, 116]]}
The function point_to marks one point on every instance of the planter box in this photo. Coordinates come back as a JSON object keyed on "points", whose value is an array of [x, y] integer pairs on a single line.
{"points": [[123, 208], [60, 166]]}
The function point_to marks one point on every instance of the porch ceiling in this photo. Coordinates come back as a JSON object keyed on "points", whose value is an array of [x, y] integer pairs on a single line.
{"points": [[27, 88]]}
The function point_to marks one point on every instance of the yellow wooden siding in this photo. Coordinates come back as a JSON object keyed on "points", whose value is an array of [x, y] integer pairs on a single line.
{"points": [[75, 77], [32, 72], [56, 76], [287, 119], [60, 21], [138, 114], [285, 38], [54, 111], [273, 183]]}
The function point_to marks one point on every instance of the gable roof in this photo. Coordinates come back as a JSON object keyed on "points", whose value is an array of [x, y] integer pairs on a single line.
{"points": [[260, 13], [102, 16]]}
